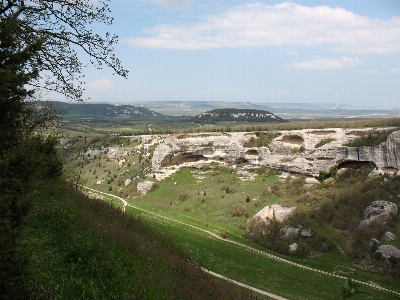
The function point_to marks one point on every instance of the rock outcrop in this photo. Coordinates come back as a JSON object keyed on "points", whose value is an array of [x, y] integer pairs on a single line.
{"points": [[388, 251], [298, 151], [144, 186], [275, 211], [379, 211]]}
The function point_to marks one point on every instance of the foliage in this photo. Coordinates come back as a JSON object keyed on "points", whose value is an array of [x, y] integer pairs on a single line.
{"points": [[350, 288], [33, 160], [370, 138], [239, 209], [14, 76], [102, 253], [63, 26], [262, 139], [324, 142], [323, 175], [183, 196]]}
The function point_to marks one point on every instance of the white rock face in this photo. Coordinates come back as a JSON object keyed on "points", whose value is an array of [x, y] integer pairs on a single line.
{"points": [[379, 211], [293, 247], [388, 251], [292, 151], [121, 162], [276, 211], [144, 187], [291, 232], [388, 236], [306, 233]]}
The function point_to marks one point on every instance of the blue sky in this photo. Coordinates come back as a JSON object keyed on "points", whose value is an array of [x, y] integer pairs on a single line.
{"points": [[343, 52]]}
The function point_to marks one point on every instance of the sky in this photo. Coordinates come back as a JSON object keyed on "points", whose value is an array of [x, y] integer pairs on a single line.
{"points": [[306, 51]]}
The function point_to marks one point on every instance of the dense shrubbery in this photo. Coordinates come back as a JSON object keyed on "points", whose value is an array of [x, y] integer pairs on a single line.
{"points": [[337, 203], [262, 139], [371, 138]]}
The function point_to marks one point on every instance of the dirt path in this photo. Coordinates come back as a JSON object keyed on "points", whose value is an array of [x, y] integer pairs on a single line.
{"points": [[274, 257]]}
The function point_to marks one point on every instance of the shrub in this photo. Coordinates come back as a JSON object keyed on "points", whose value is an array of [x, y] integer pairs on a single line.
{"points": [[183, 196], [247, 199], [239, 209]]}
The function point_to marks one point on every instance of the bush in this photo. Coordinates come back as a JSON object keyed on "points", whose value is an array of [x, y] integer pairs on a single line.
{"points": [[183, 196], [239, 209]]}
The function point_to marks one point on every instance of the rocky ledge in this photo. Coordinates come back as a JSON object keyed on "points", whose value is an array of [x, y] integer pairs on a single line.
{"points": [[299, 151]]}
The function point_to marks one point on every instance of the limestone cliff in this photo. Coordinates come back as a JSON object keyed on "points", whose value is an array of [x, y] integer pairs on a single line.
{"points": [[300, 151]]}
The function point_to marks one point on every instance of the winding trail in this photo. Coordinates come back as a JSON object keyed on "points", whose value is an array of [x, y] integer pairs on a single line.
{"points": [[271, 256]]}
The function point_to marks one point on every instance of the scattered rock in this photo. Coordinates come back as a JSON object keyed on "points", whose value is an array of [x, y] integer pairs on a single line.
{"points": [[289, 232], [379, 211], [374, 242], [144, 187], [388, 251], [367, 265], [121, 162], [293, 248], [388, 236], [306, 233]]}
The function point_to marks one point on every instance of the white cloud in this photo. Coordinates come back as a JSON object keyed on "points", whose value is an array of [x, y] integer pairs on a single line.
{"points": [[328, 63], [281, 24], [101, 84], [172, 4], [369, 72], [396, 71]]}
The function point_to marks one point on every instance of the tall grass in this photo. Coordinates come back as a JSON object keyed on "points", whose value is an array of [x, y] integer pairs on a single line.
{"points": [[87, 249]]}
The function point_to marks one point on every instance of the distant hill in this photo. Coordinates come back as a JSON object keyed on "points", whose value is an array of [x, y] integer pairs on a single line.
{"points": [[192, 108], [235, 114], [106, 110]]}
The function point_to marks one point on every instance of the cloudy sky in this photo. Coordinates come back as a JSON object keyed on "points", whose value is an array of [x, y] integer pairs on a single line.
{"points": [[314, 51]]}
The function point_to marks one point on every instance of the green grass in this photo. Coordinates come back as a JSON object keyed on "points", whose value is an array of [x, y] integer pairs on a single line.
{"points": [[251, 268], [209, 206], [87, 249], [370, 139], [324, 142]]}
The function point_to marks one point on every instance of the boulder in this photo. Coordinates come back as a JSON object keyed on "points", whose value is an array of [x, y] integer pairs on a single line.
{"points": [[374, 242], [144, 187], [128, 182], [388, 251], [388, 236], [293, 248], [306, 233], [291, 232], [380, 211], [275, 211]]}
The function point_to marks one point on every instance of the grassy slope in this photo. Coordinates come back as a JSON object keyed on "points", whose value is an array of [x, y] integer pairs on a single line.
{"points": [[86, 249]]}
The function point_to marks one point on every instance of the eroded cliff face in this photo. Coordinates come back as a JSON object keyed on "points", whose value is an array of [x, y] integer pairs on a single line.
{"points": [[300, 151]]}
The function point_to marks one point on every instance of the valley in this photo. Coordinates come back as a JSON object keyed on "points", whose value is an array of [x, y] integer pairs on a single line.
{"points": [[203, 190]]}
